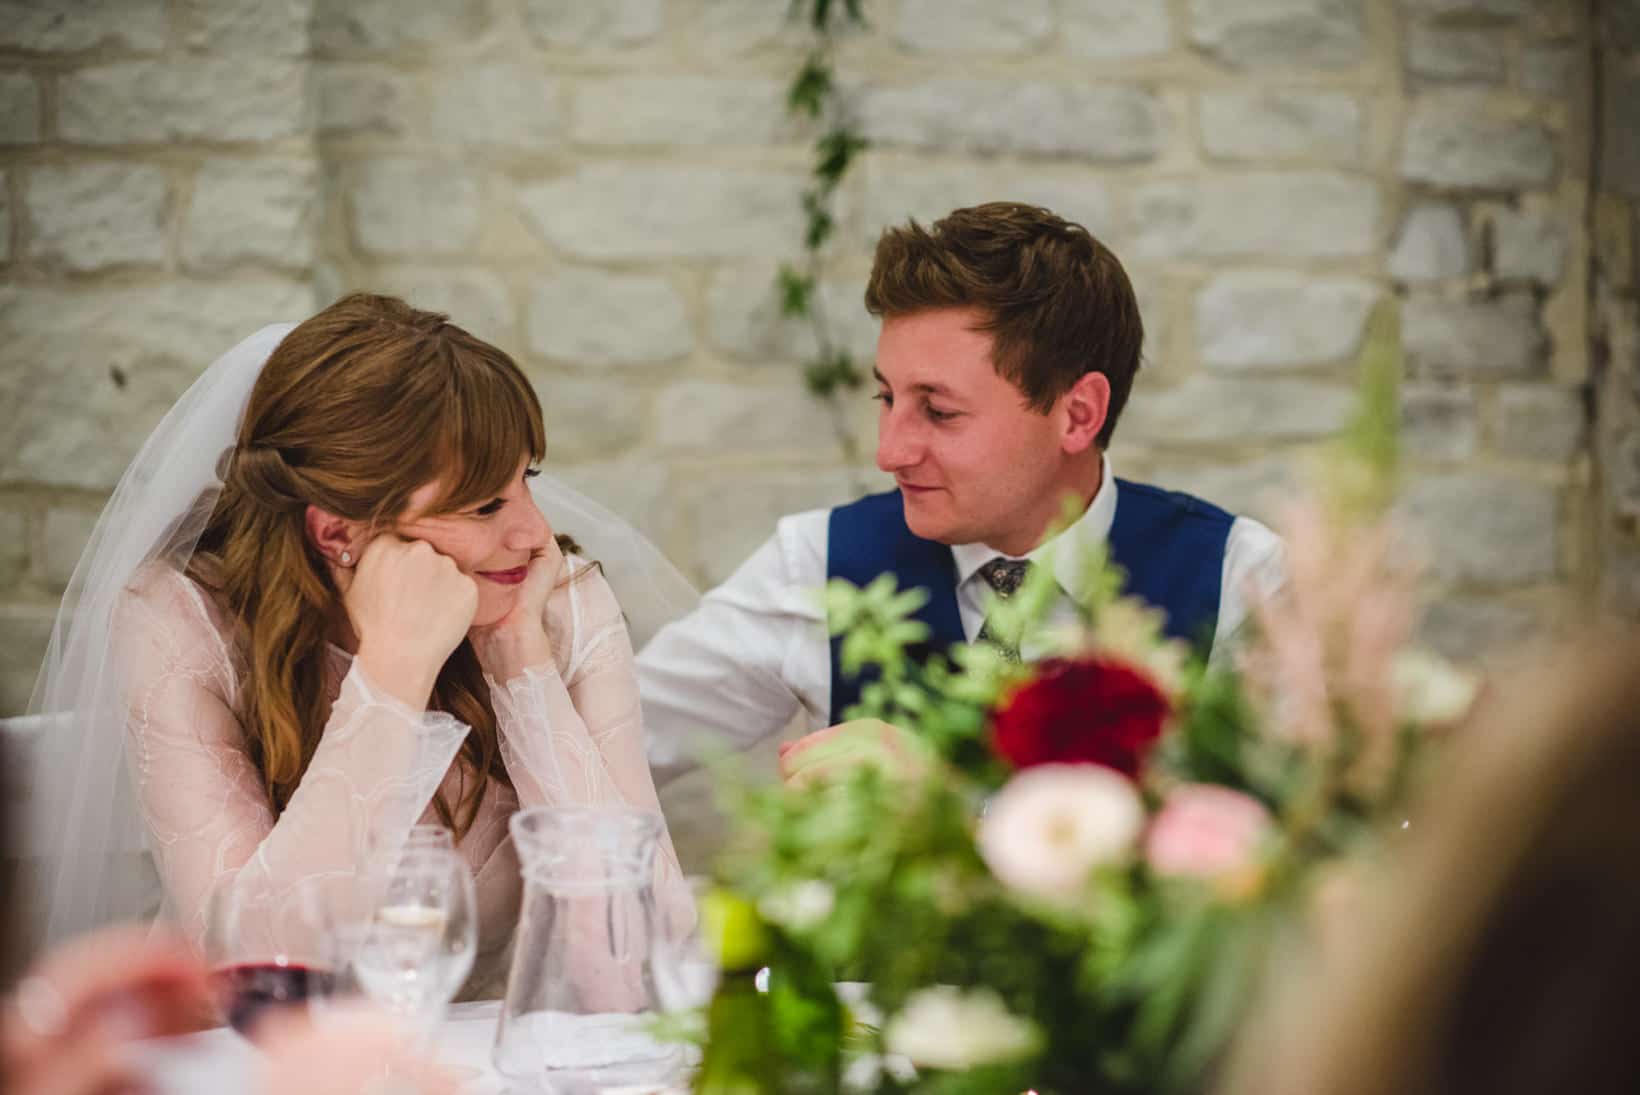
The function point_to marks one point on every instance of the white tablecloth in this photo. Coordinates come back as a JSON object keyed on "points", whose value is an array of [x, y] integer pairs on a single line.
{"points": [[218, 1061]]}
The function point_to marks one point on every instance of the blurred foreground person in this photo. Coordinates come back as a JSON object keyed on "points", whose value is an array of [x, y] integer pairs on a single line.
{"points": [[70, 1024], [1502, 954]]}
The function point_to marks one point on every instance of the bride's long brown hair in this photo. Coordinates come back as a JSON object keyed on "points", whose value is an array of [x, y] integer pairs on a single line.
{"points": [[357, 408]]}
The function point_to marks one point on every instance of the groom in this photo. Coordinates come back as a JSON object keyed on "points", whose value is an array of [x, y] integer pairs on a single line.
{"points": [[1010, 339]]}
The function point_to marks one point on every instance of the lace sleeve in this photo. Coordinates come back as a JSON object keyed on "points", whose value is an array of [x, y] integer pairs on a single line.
{"points": [[208, 818], [572, 731]]}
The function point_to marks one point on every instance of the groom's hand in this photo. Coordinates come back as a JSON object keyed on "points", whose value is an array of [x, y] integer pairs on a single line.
{"points": [[837, 750]]}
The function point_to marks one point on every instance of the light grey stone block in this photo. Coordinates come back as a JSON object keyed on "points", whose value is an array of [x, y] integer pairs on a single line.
{"points": [[1529, 246], [1212, 408], [1457, 144], [14, 546], [364, 98], [68, 26], [973, 26], [67, 532], [385, 25], [1497, 9], [24, 632], [1266, 319], [1256, 126], [251, 26], [1542, 421], [252, 211], [592, 317], [682, 110], [1500, 336], [91, 216], [1468, 628], [1619, 167], [414, 208], [1298, 214], [610, 211], [1280, 33], [1438, 421], [744, 319], [588, 417], [1549, 70], [1446, 55], [1099, 123], [211, 99], [1485, 528], [19, 108], [731, 519], [498, 105], [713, 416], [1109, 30], [86, 372], [609, 23], [1432, 245], [893, 192]]}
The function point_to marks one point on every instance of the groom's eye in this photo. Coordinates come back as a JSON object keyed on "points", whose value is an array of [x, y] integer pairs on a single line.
{"points": [[937, 415], [884, 398]]}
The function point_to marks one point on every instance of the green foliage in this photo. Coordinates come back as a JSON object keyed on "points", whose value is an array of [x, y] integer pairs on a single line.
{"points": [[812, 96]]}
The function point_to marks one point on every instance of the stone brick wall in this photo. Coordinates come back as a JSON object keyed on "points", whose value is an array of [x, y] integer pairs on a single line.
{"points": [[605, 190], [1615, 312]]}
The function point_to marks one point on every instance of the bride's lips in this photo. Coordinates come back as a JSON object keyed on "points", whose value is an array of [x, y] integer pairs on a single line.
{"points": [[506, 577]]}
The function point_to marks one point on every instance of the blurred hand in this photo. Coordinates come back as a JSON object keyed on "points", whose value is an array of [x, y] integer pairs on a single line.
{"points": [[836, 750], [519, 640], [65, 1029], [410, 607]]}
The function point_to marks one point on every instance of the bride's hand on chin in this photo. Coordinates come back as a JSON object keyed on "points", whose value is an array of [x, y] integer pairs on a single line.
{"points": [[410, 607], [518, 641]]}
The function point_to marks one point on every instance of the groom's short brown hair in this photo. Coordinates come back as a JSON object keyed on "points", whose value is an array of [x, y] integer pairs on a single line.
{"points": [[1057, 302]]}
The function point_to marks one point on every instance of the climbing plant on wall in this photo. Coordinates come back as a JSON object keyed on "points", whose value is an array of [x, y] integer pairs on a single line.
{"points": [[813, 96]]}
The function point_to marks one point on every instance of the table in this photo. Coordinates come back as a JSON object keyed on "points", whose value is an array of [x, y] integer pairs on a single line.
{"points": [[220, 1060]]}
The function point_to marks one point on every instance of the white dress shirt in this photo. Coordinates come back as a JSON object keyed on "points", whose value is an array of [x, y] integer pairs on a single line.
{"points": [[755, 651]]}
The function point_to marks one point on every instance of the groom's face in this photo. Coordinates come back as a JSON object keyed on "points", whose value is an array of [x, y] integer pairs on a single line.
{"points": [[972, 459]]}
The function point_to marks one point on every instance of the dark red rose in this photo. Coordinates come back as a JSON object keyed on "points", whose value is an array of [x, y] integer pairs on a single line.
{"points": [[1082, 711]]}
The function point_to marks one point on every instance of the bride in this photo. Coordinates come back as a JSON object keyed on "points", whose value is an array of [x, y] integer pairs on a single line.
{"points": [[347, 618]]}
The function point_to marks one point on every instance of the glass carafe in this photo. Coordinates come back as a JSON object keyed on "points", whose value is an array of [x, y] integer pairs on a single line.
{"points": [[581, 994]]}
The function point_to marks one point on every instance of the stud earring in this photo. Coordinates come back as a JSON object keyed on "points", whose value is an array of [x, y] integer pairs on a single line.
{"points": [[347, 558]]}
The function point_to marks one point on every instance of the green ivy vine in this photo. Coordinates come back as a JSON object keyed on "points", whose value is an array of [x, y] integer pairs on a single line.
{"points": [[813, 96]]}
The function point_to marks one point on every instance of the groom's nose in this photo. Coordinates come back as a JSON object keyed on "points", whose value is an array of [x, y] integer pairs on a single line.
{"points": [[896, 447]]}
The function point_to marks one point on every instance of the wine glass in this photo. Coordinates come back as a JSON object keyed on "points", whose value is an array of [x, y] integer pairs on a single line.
{"points": [[271, 948], [417, 945]]}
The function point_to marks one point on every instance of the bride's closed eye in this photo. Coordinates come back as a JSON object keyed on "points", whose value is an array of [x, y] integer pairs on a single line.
{"points": [[495, 505]]}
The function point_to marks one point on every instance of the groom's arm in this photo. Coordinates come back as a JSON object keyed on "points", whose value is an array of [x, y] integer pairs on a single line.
{"points": [[737, 669]]}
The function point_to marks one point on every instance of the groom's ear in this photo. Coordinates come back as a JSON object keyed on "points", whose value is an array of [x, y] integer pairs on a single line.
{"points": [[1084, 408], [331, 534]]}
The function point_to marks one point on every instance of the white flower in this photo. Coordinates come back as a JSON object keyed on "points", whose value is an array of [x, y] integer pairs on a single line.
{"points": [[1430, 690], [950, 1029], [1050, 826], [799, 906]]}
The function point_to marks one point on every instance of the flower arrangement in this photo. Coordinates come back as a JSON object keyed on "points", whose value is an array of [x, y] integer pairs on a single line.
{"points": [[1068, 876]]}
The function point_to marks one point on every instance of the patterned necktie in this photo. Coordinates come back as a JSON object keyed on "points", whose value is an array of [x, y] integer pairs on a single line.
{"points": [[1004, 576]]}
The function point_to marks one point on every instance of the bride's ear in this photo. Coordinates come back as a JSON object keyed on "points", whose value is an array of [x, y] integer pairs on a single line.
{"points": [[336, 538]]}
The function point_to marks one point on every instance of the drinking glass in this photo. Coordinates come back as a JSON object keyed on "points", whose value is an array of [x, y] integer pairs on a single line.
{"points": [[271, 948], [416, 946]]}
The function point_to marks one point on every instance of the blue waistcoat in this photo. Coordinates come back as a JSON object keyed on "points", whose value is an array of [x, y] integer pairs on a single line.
{"points": [[1171, 546]]}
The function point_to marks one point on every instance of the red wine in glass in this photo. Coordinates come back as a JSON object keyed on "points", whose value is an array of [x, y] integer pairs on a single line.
{"points": [[251, 988]]}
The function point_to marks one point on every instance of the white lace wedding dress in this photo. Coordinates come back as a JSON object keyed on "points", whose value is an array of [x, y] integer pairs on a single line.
{"points": [[571, 733]]}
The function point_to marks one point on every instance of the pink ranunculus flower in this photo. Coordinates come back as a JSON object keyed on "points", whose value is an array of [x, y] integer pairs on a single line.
{"points": [[1205, 831]]}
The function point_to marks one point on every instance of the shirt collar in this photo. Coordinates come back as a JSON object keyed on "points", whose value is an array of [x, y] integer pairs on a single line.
{"points": [[1069, 546]]}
